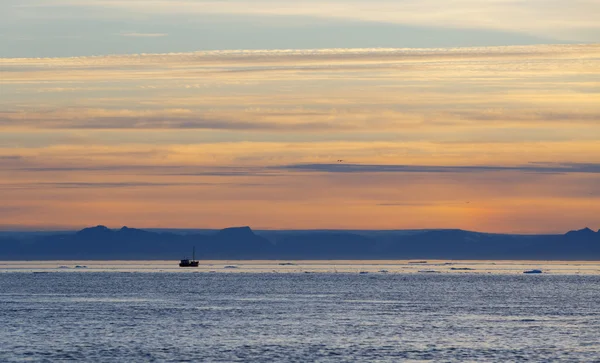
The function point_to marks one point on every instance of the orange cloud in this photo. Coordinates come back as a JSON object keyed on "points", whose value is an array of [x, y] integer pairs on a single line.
{"points": [[477, 138]]}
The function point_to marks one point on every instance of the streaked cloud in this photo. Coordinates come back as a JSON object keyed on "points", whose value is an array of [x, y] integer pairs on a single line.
{"points": [[413, 93], [574, 20], [530, 168], [10, 157], [220, 138], [111, 185], [143, 35]]}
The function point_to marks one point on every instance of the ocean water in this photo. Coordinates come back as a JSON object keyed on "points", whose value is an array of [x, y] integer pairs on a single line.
{"points": [[138, 316]]}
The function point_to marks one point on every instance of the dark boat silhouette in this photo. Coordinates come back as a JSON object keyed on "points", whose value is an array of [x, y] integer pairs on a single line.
{"points": [[190, 263]]}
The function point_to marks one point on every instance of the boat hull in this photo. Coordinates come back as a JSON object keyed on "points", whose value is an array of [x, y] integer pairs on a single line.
{"points": [[188, 264]]}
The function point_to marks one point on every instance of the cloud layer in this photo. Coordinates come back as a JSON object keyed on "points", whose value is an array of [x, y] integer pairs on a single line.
{"points": [[219, 138], [409, 90], [574, 20], [563, 168]]}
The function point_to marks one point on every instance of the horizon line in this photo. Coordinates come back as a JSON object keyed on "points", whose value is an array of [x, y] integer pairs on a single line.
{"points": [[49, 229]]}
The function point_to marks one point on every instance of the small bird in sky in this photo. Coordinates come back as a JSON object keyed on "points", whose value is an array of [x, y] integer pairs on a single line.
{"points": [[340, 160]]}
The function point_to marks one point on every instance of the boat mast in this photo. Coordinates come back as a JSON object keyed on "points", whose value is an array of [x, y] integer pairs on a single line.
{"points": [[194, 253]]}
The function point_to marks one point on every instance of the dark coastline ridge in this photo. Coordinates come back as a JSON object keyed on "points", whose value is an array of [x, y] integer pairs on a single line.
{"points": [[102, 243]]}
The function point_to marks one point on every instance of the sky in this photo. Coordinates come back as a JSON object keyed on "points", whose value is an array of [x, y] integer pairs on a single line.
{"points": [[481, 115]]}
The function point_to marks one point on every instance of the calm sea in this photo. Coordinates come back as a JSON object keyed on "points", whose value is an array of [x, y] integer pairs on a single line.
{"points": [[105, 315]]}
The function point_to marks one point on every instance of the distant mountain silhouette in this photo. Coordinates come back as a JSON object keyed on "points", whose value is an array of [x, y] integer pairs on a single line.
{"points": [[101, 242], [98, 231], [582, 233]]}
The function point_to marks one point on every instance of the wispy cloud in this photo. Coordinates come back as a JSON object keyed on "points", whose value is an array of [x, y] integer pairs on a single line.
{"points": [[548, 89], [143, 35], [15, 210], [155, 120], [11, 157], [330, 56], [421, 203], [252, 137], [559, 19], [113, 185], [562, 168]]}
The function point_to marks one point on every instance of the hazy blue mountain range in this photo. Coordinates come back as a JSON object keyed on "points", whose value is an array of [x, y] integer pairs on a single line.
{"points": [[242, 243]]}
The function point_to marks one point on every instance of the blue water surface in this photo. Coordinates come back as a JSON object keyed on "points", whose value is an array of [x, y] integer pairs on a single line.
{"points": [[221, 317]]}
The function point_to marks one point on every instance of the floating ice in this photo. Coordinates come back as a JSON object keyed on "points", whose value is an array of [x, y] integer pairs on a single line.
{"points": [[532, 272]]}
